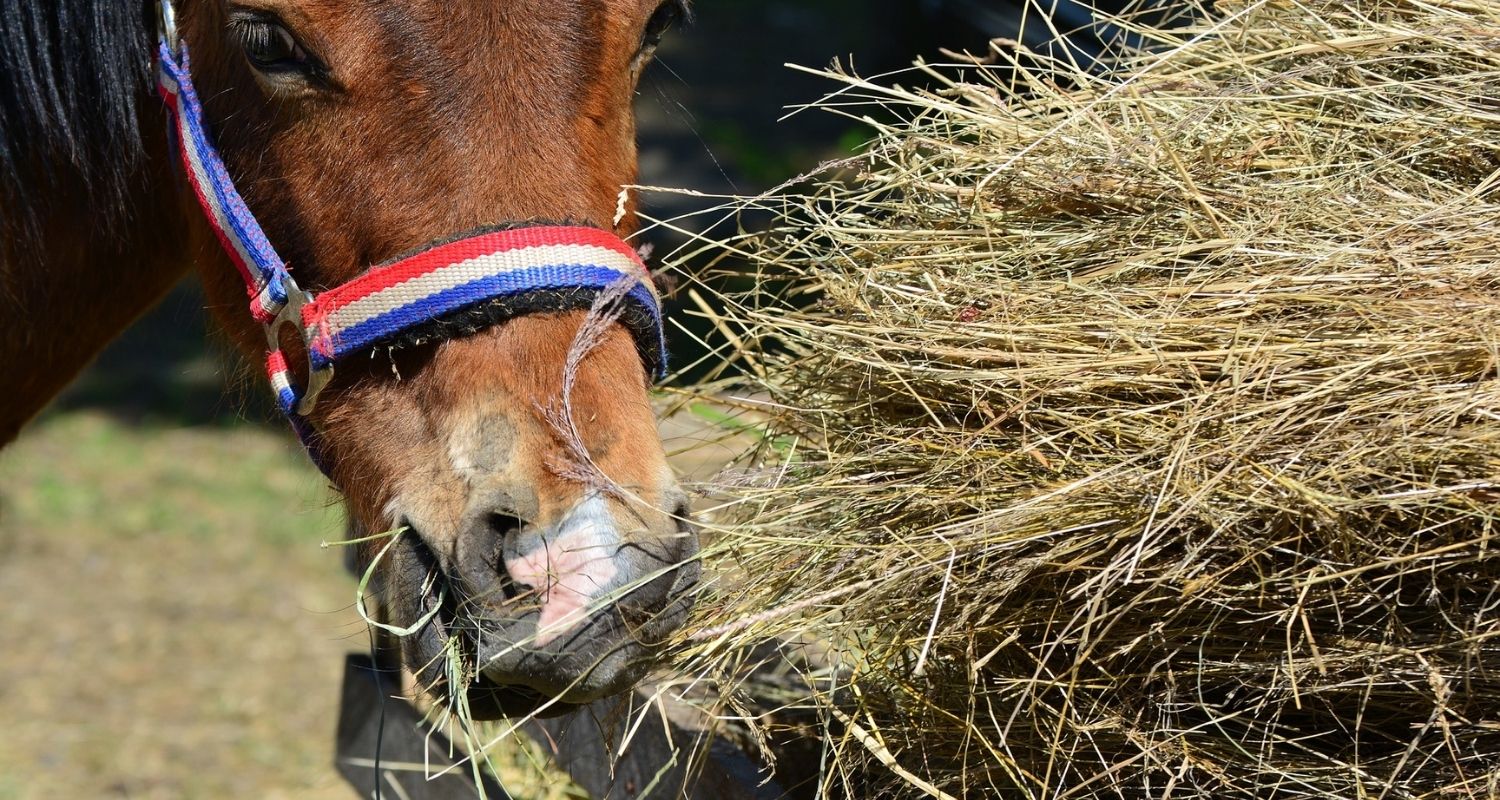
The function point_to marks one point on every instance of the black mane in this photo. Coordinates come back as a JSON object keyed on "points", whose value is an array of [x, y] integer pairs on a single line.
{"points": [[72, 73]]}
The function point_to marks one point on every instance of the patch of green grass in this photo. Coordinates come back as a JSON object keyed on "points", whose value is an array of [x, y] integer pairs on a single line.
{"points": [[734, 422], [86, 469]]}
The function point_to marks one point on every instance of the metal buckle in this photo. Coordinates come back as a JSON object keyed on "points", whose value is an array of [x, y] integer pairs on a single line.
{"points": [[291, 314], [166, 24]]}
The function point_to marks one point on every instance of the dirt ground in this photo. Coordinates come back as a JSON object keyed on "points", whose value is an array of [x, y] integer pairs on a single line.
{"points": [[174, 626], [175, 629]]}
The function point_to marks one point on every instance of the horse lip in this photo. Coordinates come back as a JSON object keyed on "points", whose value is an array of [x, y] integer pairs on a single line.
{"points": [[681, 596], [680, 600]]}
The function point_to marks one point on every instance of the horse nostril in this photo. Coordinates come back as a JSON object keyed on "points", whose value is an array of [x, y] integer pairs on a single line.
{"points": [[505, 526]]}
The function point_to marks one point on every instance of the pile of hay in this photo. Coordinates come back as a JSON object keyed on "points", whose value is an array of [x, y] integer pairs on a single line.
{"points": [[1141, 437]]}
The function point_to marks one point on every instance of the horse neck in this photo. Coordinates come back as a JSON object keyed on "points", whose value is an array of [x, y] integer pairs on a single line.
{"points": [[71, 289]]}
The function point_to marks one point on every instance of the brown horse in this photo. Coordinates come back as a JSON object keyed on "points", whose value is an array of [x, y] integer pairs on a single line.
{"points": [[357, 130]]}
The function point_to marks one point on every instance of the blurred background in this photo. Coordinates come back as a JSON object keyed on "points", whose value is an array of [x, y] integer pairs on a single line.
{"points": [[174, 626]]}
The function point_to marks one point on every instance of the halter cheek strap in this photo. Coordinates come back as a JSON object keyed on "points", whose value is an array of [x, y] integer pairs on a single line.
{"points": [[485, 277]]}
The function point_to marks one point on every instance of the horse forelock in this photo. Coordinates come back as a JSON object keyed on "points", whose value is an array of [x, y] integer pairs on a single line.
{"points": [[74, 74]]}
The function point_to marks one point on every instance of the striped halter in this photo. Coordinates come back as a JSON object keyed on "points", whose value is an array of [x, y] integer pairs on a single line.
{"points": [[462, 285]]}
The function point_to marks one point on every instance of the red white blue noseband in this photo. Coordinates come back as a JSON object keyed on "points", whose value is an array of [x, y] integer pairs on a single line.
{"points": [[478, 279]]}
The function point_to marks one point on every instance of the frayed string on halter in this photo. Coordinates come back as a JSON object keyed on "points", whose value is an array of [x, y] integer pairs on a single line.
{"points": [[577, 465]]}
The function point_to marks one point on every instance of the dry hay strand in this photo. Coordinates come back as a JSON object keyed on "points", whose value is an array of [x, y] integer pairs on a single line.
{"points": [[1140, 437]]}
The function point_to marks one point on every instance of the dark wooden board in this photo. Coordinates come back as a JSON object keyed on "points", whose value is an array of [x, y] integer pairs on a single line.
{"points": [[664, 759], [377, 726], [658, 763]]}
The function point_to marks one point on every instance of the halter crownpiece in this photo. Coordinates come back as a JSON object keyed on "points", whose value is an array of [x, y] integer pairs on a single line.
{"points": [[445, 290]]}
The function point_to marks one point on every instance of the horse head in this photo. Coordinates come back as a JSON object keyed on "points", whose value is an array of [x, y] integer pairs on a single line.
{"points": [[541, 537]]}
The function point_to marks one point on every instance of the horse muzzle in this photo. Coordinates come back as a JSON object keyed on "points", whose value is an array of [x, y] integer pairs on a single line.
{"points": [[539, 618]]}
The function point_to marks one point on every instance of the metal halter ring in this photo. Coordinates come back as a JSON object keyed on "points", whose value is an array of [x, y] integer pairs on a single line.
{"points": [[291, 314], [166, 23]]}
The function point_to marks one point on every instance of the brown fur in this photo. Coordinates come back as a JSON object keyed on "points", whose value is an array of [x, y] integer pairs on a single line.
{"points": [[61, 304]]}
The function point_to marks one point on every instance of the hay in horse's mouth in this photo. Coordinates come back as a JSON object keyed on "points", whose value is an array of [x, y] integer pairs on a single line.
{"points": [[444, 652]]}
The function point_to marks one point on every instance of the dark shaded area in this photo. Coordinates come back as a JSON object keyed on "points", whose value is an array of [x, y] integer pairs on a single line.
{"points": [[711, 107], [74, 73], [170, 367]]}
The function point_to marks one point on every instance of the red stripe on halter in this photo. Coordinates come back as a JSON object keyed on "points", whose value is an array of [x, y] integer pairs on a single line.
{"points": [[455, 252], [275, 362], [261, 314]]}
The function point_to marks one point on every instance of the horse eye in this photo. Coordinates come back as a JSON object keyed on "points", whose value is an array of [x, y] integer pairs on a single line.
{"points": [[269, 45], [667, 14]]}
